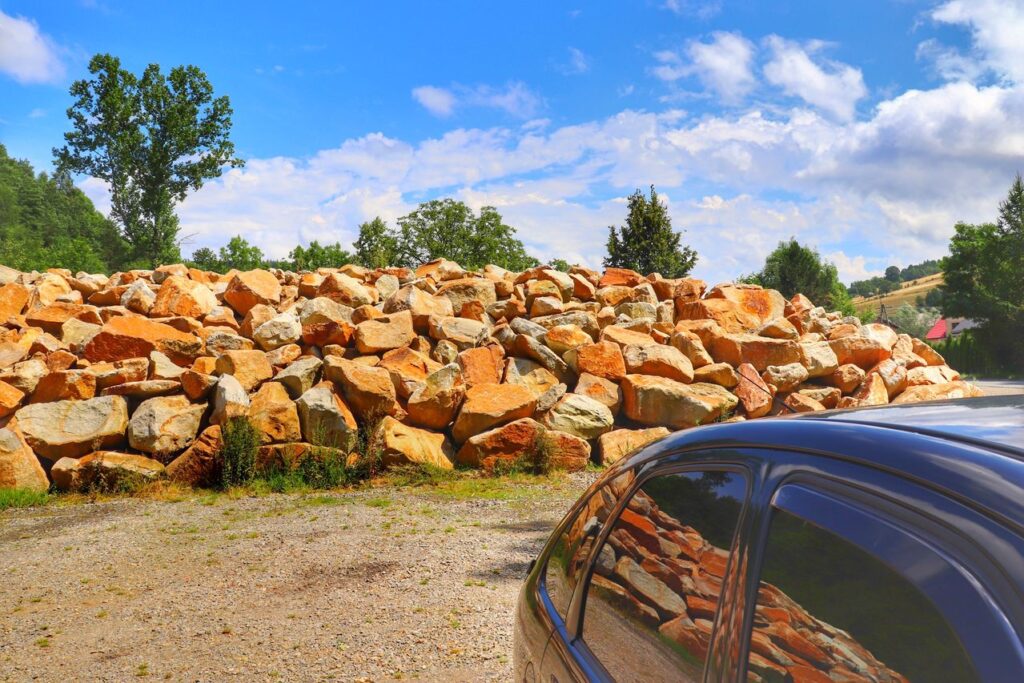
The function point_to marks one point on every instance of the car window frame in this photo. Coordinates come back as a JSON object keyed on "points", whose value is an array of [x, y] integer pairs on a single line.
{"points": [[574, 643], [816, 499]]}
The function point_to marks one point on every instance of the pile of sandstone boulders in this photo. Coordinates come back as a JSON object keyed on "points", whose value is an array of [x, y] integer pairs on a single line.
{"points": [[137, 372]]}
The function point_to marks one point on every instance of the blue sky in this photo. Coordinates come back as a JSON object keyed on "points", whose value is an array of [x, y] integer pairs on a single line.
{"points": [[866, 129]]}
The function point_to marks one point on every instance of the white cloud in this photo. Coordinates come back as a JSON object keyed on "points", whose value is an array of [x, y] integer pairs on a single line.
{"points": [[514, 98], [438, 101], [831, 86], [37, 113], [578, 63], [26, 54], [702, 9], [723, 66], [996, 27]]}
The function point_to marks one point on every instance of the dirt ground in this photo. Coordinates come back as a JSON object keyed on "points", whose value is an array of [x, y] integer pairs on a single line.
{"points": [[381, 584]]}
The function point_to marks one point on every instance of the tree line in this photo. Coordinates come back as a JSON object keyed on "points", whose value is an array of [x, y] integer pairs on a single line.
{"points": [[894, 275]]}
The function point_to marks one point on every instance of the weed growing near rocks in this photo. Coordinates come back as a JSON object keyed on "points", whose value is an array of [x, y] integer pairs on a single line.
{"points": [[238, 453]]}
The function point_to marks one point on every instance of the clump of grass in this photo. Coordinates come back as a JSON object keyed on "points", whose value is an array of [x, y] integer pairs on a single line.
{"points": [[22, 498], [241, 441]]}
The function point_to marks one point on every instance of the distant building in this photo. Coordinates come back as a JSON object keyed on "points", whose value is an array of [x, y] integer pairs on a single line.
{"points": [[950, 327]]}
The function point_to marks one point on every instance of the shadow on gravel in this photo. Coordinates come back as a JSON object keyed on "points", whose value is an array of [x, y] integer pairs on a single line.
{"points": [[51, 521]]}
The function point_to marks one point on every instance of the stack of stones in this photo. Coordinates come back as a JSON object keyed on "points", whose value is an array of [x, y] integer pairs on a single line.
{"points": [[138, 371]]}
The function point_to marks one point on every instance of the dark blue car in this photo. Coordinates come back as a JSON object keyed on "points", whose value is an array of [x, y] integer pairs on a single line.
{"points": [[882, 544]]}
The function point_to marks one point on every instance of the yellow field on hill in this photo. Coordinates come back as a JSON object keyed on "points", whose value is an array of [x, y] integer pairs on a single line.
{"points": [[906, 294]]}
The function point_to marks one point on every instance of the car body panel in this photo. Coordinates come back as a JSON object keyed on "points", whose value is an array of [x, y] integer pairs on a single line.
{"points": [[942, 483]]}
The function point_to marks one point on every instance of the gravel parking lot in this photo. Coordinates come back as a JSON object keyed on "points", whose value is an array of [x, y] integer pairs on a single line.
{"points": [[380, 584]]}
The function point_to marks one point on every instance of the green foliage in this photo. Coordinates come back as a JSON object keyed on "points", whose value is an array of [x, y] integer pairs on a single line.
{"points": [[377, 245], [983, 279], [560, 264], [446, 228], [316, 256], [793, 268], [537, 460], [892, 274], [152, 139], [647, 243], [241, 255], [22, 498], [241, 441], [46, 222], [205, 259], [913, 320]]}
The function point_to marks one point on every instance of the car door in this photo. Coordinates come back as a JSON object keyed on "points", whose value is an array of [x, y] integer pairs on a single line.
{"points": [[860, 578], [657, 576]]}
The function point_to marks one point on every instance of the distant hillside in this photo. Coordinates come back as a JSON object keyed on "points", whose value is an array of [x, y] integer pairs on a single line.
{"points": [[907, 293]]}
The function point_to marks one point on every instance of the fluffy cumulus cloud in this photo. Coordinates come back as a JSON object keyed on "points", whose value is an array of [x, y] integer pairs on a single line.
{"points": [[996, 26], [831, 86], [26, 54], [724, 65], [885, 186], [514, 98]]}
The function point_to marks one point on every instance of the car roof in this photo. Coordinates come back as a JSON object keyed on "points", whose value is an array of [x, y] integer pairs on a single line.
{"points": [[970, 449], [994, 421]]}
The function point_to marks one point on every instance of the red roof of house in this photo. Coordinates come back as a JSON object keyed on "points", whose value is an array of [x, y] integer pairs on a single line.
{"points": [[939, 330]]}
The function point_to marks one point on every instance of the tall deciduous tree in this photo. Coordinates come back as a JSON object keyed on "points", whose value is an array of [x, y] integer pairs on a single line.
{"points": [[793, 268], [647, 243], [983, 278], [152, 139], [240, 255], [377, 245], [446, 228]]}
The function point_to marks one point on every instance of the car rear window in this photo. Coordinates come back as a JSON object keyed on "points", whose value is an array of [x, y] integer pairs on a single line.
{"points": [[657, 579], [828, 610]]}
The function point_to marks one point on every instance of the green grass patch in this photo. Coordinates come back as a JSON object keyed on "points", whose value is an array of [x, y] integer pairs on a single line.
{"points": [[23, 498]]}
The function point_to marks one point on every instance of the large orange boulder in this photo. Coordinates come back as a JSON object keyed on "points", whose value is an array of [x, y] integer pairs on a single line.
{"points": [[401, 444], [368, 391], [13, 298], [603, 359], [490, 405], [736, 349], [753, 392], [251, 368], [935, 392], [19, 467], [247, 289], [864, 352], [132, 336], [180, 296]]}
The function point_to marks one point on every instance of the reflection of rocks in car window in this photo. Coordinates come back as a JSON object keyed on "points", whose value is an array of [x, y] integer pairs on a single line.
{"points": [[828, 611], [657, 579], [569, 555]]}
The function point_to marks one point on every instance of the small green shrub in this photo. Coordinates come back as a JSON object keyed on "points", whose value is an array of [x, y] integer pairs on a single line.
{"points": [[241, 441], [537, 460], [22, 498]]}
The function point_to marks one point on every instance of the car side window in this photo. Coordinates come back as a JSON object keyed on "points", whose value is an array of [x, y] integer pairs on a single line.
{"points": [[828, 610], [657, 579], [568, 557]]}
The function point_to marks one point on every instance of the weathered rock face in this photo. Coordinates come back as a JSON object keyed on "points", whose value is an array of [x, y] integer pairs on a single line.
{"points": [[19, 467], [404, 445], [164, 425], [125, 337], [490, 405], [536, 367], [73, 428], [660, 401]]}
